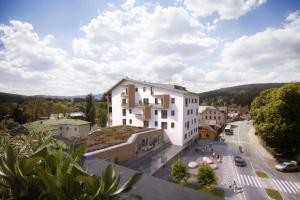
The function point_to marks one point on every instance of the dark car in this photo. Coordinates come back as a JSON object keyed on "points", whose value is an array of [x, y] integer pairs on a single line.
{"points": [[239, 161]]}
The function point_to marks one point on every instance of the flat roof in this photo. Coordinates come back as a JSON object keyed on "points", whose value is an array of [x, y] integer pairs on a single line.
{"points": [[55, 122]]}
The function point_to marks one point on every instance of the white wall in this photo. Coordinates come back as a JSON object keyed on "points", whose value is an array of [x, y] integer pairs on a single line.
{"points": [[176, 134]]}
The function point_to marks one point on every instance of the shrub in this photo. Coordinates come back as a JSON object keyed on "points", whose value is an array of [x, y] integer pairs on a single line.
{"points": [[206, 176], [179, 170]]}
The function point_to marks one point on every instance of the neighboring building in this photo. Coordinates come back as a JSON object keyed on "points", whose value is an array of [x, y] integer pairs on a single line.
{"points": [[207, 129], [213, 113], [153, 105], [57, 116], [62, 127], [76, 115]]}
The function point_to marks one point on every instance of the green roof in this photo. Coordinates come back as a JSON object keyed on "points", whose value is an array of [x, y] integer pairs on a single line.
{"points": [[55, 122]]}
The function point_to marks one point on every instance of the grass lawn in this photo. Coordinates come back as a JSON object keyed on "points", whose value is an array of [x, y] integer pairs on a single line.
{"points": [[261, 174], [274, 194], [214, 191]]}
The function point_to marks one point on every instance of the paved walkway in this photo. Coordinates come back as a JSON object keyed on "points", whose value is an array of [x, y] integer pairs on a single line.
{"points": [[150, 163]]}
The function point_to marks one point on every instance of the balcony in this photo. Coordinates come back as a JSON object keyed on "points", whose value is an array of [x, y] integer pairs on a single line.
{"points": [[124, 104], [146, 115], [124, 94], [164, 101]]}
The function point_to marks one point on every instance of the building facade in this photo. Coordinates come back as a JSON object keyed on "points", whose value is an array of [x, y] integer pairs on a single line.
{"points": [[161, 106], [212, 113]]}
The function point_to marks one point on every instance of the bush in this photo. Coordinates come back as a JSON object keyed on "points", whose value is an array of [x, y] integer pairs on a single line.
{"points": [[206, 176], [179, 170]]}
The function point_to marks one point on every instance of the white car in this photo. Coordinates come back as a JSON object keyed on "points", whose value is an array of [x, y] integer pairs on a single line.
{"points": [[287, 166]]}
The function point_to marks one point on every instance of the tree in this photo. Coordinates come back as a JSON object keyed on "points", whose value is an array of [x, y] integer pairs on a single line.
{"points": [[276, 114], [90, 111], [179, 170], [206, 176], [53, 171], [102, 117]]}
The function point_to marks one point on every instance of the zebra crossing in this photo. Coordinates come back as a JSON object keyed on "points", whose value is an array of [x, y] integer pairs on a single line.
{"points": [[281, 185], [237, 141]]}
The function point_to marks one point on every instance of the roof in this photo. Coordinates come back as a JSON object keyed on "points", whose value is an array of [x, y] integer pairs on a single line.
{"points": [[55, 122], [205, 122], [149, 187], [201, 109], [176, 88]]}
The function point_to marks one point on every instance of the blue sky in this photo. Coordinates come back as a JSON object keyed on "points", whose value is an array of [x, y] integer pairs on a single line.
{"points": [[75, 47]]}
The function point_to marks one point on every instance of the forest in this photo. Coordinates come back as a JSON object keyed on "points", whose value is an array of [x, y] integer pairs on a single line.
{"points": [[23, 109], [237, 96]]}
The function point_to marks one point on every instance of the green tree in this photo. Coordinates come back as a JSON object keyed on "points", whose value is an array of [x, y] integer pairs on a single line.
{"points": [[53, 171], [90, 111], [179, 170], [276, 113], [206, 176], [102, 117]]}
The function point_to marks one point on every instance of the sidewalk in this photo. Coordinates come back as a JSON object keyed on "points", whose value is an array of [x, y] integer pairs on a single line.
{"points": [[256, 142]]}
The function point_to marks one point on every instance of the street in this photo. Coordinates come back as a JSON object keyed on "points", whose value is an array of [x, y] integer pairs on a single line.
{"points": [[288, 184]]}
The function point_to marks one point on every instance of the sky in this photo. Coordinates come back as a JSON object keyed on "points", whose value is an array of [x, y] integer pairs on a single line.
{"points": [[62, 47]]}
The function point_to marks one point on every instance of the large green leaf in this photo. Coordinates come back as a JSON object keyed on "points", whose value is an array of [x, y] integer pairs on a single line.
{"points": [[129, 183]]}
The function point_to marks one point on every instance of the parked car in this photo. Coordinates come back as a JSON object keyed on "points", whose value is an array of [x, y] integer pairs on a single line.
{"points": [[287, 166], [239, 161]]}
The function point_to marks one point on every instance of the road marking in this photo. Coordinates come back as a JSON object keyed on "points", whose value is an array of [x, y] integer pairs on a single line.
{"points": [[297, 186], [280, 186], [237, 141], [258, 181], [246, 180], [239, 179], [283, 183], [291, 187], [294, 186]]}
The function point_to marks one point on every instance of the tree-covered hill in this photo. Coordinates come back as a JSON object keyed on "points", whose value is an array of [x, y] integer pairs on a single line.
{"points": [[241, 95]]}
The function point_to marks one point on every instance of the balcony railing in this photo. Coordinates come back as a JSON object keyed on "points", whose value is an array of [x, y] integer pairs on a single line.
{"points": [[124, 94], [124, 104]]}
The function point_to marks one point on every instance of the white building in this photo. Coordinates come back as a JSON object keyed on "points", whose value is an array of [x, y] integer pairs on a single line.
{"points": [[154, 105]]}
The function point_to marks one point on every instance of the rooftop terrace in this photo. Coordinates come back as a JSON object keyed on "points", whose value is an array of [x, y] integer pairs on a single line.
{"points": [[107, 137]]}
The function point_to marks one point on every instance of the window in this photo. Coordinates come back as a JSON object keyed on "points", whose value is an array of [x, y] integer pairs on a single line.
{"points": [[214, 117], [191, 111], [156, 101], [219, 118], [155, 112], [67, 128], [195, 120], [172, 100], [146, 101], [205, 117], [164, 125], [123, 112], [185, 136], [209, 117], [130, 121], [192, 100], [164, 114], [136, 89], [196, 100], [124, 122], [146, 123], [172, 125], [196, 110], [188, 125], [61, 128], [130, 111], [144, 89], [151, 89], [155, 123], [186, 102], [75, 129], [123, 101], [172, 112], [188, 112]]}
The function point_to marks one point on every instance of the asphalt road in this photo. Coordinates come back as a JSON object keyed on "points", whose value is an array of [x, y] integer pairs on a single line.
{"points": [[257, 160]]}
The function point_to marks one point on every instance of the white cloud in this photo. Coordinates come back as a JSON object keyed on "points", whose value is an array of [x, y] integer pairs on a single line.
{"points": [[270, 50], [226, 9], [145, 42]]}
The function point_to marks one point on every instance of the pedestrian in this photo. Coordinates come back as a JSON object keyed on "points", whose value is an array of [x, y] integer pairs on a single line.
{"points": [[234, 186]]}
